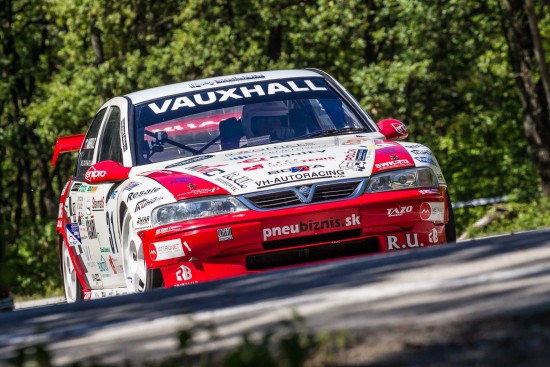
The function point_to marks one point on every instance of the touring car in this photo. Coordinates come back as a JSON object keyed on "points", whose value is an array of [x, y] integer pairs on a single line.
{"points": [[238, 174]]}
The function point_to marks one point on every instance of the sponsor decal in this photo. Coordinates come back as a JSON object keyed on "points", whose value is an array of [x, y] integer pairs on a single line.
{"points": [[59, 224], [145, 203], [223, 95], [96, 277], [60, 212], [169, 229], [399, 128], [411, 241], [295, 169], [87, 188], [143, 221], [76, 186], [428, 191], [104, 249], [183, 273], [432, 211], [93, 174], [167, 250], [98, 204], [88, 207], [299, 177], [422, 152], [234, 178], [138, 194], [253, 168], [103, 265], [414, 146], [433, 236], [440, 178], [394, 157], [113, 195], [195, 159], [115, 265], [79, 203], [355, 159], [226, 80], [252, 160], [181, 180], [426, 160], [123, 135], [86, 162], [208, 170], [90, 229], [318, 223], [399, 211], [73, 230], [90, 143], [225, 234], [132, 185], [392, 164]]}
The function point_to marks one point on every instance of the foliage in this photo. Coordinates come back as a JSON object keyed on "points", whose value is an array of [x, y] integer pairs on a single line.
{"points": [[442, 67]]}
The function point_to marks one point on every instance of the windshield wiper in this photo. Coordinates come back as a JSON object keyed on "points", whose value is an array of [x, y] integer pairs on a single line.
{"points": [[332, 132]]}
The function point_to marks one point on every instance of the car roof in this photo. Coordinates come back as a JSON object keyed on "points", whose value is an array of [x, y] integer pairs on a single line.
{"points": [[226, 80]]}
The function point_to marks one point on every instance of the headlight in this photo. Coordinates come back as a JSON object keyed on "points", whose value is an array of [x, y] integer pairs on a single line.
{"points": [[196, 208], [402, 179]]}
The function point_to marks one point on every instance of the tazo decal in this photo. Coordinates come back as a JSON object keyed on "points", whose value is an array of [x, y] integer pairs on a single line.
{"points": [[397, 212]]}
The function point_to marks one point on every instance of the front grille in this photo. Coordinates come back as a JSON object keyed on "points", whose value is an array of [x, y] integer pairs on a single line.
{"points": [[312, 254], [309, 240], [334, 191], [293, 196], [279, 199]]}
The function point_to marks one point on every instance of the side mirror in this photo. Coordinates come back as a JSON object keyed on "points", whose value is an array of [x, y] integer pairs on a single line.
{"points": [[393, 129], [106, 171]]}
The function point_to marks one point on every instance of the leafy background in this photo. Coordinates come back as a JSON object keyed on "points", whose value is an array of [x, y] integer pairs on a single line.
{"points": [[445, 68]]}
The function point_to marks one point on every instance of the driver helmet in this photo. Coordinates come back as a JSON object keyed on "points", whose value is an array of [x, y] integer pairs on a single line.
{"points": [[253, 114]]}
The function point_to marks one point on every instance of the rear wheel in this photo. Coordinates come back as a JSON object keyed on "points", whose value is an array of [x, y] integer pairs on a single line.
{"points": [[71, 284], [138, 277], [450, 227]]}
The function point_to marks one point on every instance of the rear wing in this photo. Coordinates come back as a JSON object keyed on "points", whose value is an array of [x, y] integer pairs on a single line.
{"points": [[66, 144]]}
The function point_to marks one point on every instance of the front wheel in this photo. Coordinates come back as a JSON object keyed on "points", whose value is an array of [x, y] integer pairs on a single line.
{"points": [[450, 227], [71, 284], [138, 277]]}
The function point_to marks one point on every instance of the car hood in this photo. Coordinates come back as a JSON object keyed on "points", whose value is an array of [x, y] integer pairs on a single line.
{"points": [[265, 167]]}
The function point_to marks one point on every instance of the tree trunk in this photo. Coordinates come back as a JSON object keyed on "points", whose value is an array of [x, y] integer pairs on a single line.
{"points": [[536, 115]]}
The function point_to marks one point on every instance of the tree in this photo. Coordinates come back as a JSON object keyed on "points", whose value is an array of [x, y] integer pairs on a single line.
{"points": [[528, 61]]}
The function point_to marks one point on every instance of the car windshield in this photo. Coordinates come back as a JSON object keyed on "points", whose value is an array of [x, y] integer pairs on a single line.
{"points": [[240, 116]]}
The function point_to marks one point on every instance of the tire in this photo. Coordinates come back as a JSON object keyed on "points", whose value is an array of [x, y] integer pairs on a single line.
{"points": [[71, 284], [138, 278], [450, 227]]}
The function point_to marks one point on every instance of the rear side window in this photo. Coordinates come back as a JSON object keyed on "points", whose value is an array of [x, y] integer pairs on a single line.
{"points": [[110, 147], [86, 155]]}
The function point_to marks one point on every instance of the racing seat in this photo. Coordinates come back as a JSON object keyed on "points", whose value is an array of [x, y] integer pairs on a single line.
{"points": [[231, 132]]}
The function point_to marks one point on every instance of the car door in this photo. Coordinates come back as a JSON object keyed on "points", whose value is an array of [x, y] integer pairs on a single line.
{"points": [[94, 205]]}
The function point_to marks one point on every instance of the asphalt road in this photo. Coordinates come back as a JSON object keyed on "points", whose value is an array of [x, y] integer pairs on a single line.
{"points": [[472, 280]]}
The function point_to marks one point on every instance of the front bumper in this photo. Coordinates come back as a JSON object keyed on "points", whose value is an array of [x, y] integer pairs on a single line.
{"points": [[251, 241]]}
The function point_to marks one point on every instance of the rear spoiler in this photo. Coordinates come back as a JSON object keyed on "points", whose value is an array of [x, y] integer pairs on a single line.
{"points": [[66, 144]]}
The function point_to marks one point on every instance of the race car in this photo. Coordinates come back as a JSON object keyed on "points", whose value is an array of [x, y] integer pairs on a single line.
{"points": [[239, 174]]}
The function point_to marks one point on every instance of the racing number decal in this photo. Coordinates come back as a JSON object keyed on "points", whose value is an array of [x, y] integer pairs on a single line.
{"points": [[112, 237]]}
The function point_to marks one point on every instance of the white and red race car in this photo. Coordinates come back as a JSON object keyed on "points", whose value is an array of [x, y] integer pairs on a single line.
{"points": [[233, 175]]}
